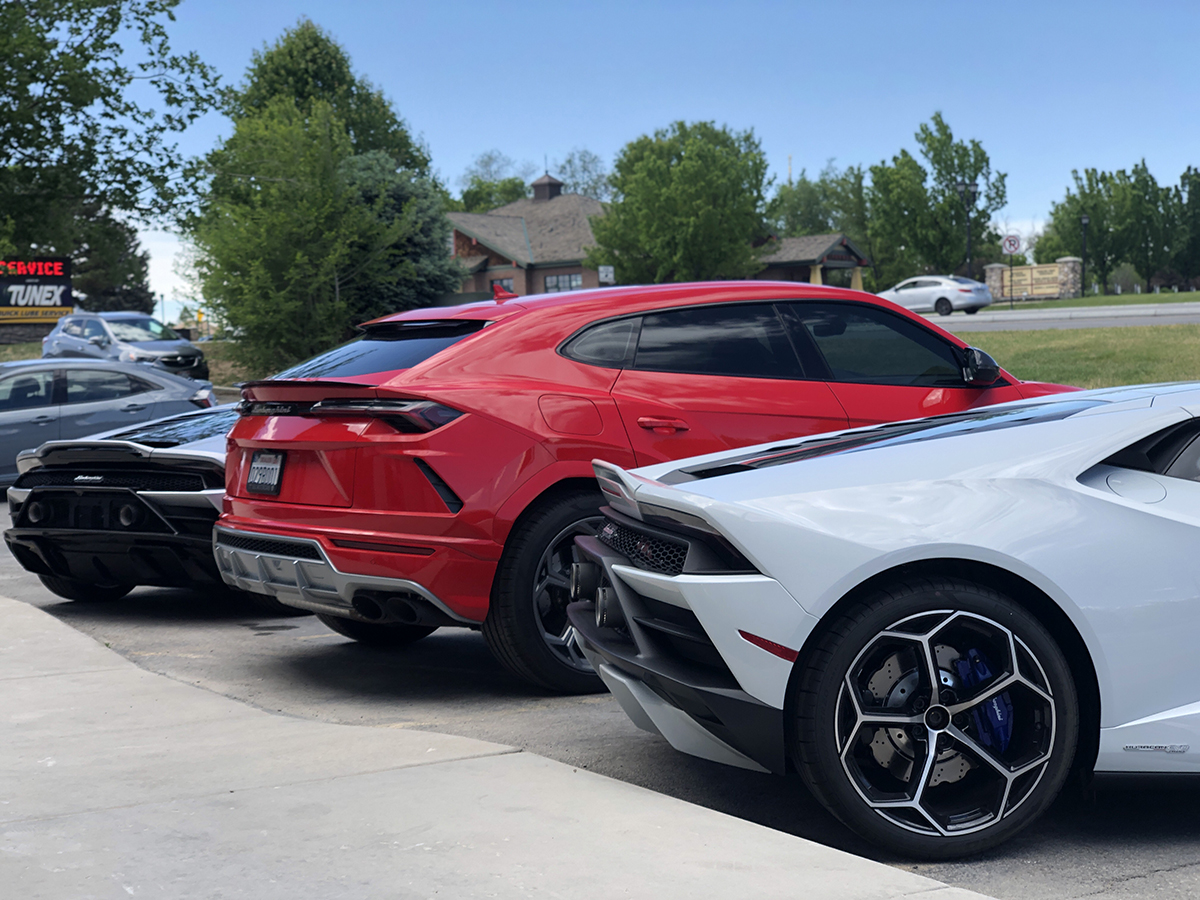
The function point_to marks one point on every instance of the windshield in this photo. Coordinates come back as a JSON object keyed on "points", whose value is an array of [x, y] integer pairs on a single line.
{"points": [[891, 435], [384, 348], [134, 331]]}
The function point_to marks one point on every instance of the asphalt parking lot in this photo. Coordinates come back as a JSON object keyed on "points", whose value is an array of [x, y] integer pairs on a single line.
{"points": [[1112, 845]]}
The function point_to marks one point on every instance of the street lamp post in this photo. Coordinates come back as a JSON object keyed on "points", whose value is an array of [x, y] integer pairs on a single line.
{"points": [[966, 193], [1083, 220]]}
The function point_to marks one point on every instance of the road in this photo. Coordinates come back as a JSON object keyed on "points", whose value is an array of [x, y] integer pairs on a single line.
{"points": [[1115, 845], [1000, 318]]}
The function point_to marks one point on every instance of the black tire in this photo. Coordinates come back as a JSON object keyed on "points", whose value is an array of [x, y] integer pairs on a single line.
{"points": [[83, 591], [971, 311], [526, 626], [269, 604], [378, 634], [942, 307], [964, 798]]}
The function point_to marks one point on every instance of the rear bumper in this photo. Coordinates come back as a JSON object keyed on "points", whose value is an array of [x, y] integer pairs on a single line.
{"points": [[298, 572], [677, 677], [102, 557]]}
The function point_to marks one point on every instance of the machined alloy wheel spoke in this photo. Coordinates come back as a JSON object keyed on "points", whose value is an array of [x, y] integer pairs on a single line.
{"points": [[998, 688], [552, 577]]}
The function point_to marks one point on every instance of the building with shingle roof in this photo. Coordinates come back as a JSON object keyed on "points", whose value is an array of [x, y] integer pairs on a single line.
{"points": [[810, 257], [530, 246]]}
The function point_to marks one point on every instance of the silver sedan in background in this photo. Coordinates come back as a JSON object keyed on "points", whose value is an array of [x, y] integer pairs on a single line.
{"points": [[126, 337], [940, 293], [59, 399]]}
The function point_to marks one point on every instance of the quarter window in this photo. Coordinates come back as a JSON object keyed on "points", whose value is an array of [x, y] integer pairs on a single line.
{"points": [[73, 327], [609, 344], [746, 339], [865, 345], [556, 283]]}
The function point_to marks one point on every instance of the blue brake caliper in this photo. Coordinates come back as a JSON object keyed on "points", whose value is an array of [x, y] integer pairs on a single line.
{"points": [[994, 724]]}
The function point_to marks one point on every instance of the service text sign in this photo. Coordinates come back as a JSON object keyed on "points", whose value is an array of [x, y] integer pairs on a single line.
{"points": [[35, 290]]}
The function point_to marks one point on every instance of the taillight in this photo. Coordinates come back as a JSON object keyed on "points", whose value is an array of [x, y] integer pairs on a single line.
{"points": [[410, 416], [203, 398], [966, 290]]}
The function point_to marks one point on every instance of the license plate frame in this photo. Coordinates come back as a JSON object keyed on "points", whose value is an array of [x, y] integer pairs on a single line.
{"points": [[266, 472]]}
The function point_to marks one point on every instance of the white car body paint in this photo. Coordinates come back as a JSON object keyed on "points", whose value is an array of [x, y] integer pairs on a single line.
{"points": [[1113, 548]]}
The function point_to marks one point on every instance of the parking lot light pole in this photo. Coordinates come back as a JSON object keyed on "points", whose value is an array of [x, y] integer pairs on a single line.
{"points": [[1083, 220], [966, 193]]}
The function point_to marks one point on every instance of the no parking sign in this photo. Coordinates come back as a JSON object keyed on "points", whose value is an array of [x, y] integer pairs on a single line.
{"points": [[1010, 245]]}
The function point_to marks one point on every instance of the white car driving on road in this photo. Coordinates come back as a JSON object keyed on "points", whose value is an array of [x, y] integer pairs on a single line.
{"points": [[940, 293], [932, 621]]}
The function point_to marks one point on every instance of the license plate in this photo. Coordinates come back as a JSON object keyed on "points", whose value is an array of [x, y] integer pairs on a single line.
{"points": [[266, 469]]}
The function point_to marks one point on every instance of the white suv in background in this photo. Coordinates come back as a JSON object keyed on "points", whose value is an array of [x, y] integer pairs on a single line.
{"points": [[940, 293]]}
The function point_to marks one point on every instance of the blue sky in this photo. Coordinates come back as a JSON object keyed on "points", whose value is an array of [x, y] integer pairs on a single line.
{"points": [[1046, 87]]}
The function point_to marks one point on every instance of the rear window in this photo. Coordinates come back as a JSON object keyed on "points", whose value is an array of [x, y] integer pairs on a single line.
{"points": [[384, 348], [184, 429]]}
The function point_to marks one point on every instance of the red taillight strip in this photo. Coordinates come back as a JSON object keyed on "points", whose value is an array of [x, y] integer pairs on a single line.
{"points": [[770, 646], [386, 548]]}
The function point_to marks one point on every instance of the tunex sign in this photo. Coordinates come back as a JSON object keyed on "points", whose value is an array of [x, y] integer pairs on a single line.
{"points": [[35, 290]]}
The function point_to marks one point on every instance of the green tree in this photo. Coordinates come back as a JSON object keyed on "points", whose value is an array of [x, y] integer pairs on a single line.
{"points": [[1093, 196], [1147, 221], [74, 133], [484, 196], [307, 65], [802, 206], [583, 172], [918, 221], [688, 204], [110, 270], [283, 238], [1187, 256]]}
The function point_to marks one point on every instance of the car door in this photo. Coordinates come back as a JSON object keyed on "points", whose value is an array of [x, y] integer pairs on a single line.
{"points": [[884, 367], [712, 377], [96, 340], [99, 399], [28, 416], [907, 294]]}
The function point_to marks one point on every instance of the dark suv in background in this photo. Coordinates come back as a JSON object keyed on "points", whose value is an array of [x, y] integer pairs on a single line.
{"points": [[127, 337]]}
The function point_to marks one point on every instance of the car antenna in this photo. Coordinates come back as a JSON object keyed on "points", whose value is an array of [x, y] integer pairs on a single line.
{"points": [[499, 294]]}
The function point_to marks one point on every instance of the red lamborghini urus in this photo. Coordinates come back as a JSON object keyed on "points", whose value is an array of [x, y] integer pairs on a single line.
{"points": [[436, 470]]}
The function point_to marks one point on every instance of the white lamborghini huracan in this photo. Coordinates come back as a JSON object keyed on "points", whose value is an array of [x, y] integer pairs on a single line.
{"points": [[931, 621]]}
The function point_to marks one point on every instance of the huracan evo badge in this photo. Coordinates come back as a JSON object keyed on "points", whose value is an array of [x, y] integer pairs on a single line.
{"points": [[89, 479], [1165, 748]]}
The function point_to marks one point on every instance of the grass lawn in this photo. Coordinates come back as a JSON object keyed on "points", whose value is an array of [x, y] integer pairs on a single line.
{"points": [[30, 350], [1001, 304], [1097, 357]]}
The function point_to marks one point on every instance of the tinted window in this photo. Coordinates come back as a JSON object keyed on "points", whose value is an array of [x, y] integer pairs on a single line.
{"points": [[384, 349], [182, 429], [872, 346], [27, 390], [608, 344], [747, 339], [141, 329], [96, 385]]}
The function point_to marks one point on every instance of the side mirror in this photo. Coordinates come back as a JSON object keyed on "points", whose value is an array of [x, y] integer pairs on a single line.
{"points": [[98, 339], [980, 370]]}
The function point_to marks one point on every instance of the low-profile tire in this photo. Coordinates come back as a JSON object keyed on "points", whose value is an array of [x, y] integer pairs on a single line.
{"points": [[378, 634], [942, 307], [84, 591], [1005, 718], [526, 626]]}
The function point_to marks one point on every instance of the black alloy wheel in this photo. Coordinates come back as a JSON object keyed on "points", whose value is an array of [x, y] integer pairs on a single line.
{"points": [[526, 626], [377, 634], [938, 718], [942, 307], [84, 591]]}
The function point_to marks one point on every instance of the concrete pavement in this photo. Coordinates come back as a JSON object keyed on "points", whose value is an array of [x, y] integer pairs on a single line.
{"points": [[116, 782], [999, 317]]}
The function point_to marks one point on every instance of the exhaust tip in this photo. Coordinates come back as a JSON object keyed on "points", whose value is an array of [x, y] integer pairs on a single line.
{"points": [[367, 608]]}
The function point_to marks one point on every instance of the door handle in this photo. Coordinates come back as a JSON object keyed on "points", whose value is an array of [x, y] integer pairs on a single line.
{"points": [[660, 425], [134, 407], [42, 420]]}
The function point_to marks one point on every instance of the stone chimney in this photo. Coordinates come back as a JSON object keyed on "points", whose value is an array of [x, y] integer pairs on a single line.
{"points": [[547, 187]]}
